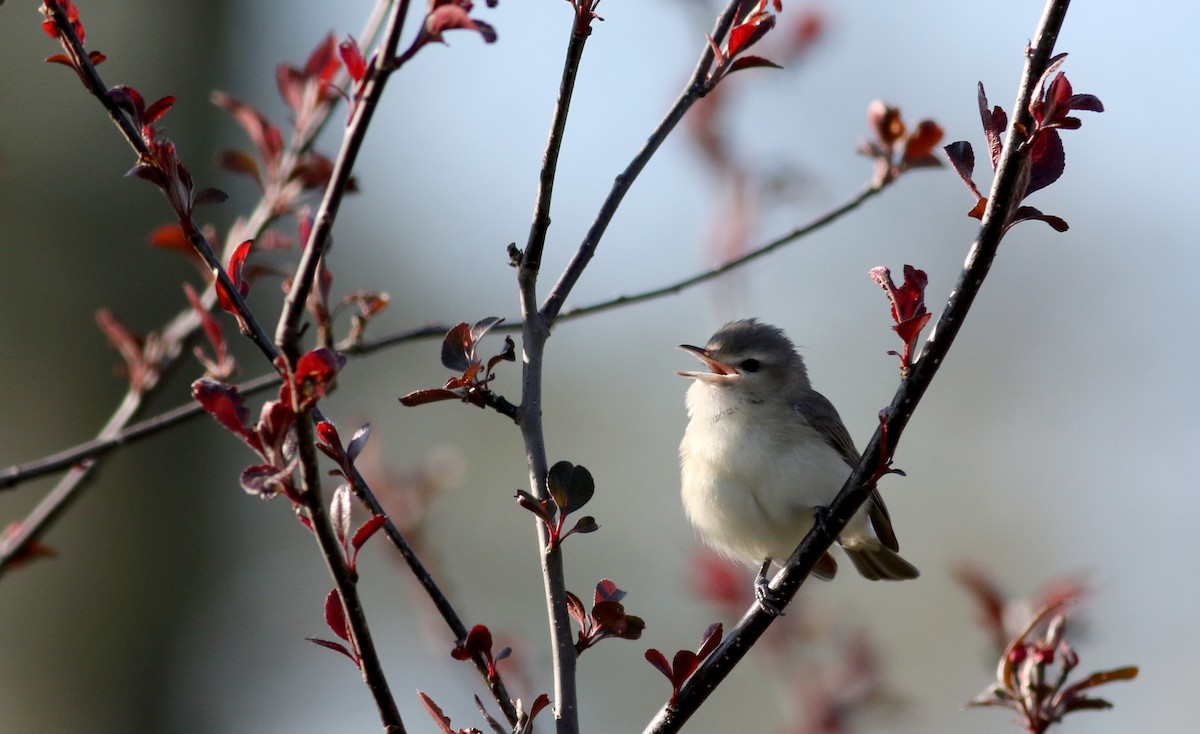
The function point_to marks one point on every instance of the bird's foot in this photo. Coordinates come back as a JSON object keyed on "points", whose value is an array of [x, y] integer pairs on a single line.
{"points": [[821, 518], [763, 594]]}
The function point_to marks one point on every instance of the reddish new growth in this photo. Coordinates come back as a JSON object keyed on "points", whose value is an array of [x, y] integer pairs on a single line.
{"points": [[685, 662], [478, 645], [524, 720], [273, 436], [748, 30], [908, 308], [569, 487], [1028, 683], [895, 148], [335, 618], [445, 15], [606, 619], [1051, 109], [472, 384]]}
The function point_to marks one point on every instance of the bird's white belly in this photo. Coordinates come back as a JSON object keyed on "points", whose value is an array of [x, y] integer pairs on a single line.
{"points": [[754, 497]]}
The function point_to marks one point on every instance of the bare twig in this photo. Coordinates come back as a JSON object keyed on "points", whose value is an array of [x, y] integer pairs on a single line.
{"points": [[1005, 194], [535, 330], [696, 88], [18, 474]]}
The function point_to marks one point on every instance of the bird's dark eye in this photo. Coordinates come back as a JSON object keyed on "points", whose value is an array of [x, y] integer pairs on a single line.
{"points": [[749, 365]]}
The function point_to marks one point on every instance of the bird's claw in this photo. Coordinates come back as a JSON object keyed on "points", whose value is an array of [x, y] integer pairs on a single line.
{"points": [[821, 518], [763, 594]]}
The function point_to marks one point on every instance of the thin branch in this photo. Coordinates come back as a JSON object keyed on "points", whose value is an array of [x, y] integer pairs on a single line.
{"points": [[287, 330], [737, 262], [535, 330], [18, 474], [347, 587], [1005, 195], [696, 88]]}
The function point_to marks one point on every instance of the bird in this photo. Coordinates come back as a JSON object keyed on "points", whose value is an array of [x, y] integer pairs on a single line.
{"points": [[763, 453]]}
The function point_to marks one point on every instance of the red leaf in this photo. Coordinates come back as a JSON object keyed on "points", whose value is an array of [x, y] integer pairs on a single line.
{"points": [[1047, 160], [335, 615], [752, 62], [432, 395], [239, 161], [684, 665], [659, 661], [450, 17], [157, 110], [333, 646], [236, 262], [323, 62], [607, 590], [994, 123], [266, 137], [352, 57], [225, 404], [712, 638], [368, 529], [921, 142], [439, 718], [223, 363]]}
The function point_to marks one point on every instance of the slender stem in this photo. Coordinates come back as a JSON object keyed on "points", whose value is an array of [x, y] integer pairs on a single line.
{"points": [[535, 331], [344, 581], [696, 88], [1005, 196], [287, 330], [18, 474], [711, 273]]}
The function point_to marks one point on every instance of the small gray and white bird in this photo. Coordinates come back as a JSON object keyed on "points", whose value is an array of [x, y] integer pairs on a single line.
{"points": [[763, 450]]}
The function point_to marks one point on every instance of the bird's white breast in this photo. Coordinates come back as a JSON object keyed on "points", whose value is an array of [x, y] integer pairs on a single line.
{"points": [[752, 474]]}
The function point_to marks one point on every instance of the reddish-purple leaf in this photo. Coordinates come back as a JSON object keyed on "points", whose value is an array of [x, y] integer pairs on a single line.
{"points": [[962, 158], [752, 62], [433, 395], [450, 17], [224, 403], [1027, 213], [266, 481], [712, 638], [659, 661], [157, 110], [458, 348], [994, 122], [607, 590], [335, 615], [210, 195], [1047, 160], [683, 665], [436, 714], [266, 137], [333, 646], [575, 609]]}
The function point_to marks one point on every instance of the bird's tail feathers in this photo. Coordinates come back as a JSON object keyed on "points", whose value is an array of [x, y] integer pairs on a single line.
{"points": [[877, 563]]}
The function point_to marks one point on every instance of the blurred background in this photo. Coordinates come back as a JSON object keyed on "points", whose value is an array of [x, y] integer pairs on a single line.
{"points": [[1059, 442]]}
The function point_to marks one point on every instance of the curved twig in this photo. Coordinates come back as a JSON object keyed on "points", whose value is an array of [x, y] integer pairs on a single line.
{"points": [[1005, 194]]}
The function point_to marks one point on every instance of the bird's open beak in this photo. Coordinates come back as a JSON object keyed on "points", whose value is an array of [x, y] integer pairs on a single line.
{"points": [[721, 373]]}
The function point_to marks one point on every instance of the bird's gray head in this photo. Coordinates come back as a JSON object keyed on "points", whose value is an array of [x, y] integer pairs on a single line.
{"points": [[753, 356]]}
